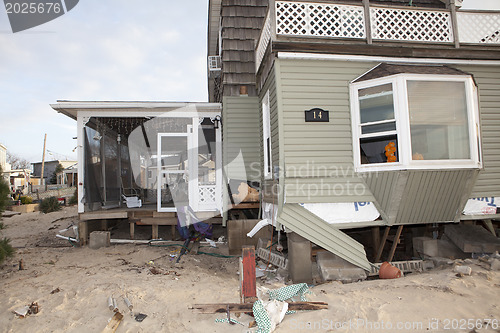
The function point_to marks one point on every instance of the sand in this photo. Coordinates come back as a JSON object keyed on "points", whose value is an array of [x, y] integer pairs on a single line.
{"points": [[71, 286]]}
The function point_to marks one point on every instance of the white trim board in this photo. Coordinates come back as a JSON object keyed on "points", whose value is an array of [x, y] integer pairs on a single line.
{"points": [[319, 56]]}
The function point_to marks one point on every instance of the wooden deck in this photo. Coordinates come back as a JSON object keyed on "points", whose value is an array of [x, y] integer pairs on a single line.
{"points": [[146, 215]]}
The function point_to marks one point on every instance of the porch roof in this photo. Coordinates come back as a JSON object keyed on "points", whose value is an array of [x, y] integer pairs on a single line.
{"points": [[133, 108]]}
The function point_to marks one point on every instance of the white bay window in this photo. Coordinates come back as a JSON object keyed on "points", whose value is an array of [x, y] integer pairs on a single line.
{"points": [[415, 121]]}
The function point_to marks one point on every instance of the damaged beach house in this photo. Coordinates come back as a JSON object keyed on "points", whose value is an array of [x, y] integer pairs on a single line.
{"points": [[324, 118]]}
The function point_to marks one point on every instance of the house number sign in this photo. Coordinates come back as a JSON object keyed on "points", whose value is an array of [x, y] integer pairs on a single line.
{"points": [[317, 115]]}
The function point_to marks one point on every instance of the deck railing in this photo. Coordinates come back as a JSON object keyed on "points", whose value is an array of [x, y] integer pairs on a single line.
{"points": [[325, 20]]}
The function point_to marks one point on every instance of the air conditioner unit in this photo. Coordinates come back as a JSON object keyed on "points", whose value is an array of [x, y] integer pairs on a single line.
{"points": [[214, 65]]}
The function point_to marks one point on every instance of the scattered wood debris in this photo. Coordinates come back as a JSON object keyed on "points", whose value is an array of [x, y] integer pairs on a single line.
{"points": [[247, 307]]}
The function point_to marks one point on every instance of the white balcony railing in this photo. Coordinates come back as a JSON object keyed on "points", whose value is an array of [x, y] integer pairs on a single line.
{"points": [[411, 25], [324, 20], [477, 27], [319, 19]]}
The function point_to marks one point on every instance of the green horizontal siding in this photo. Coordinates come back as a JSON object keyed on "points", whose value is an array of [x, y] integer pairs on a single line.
{"points": [[306, 224], [487, 79], [240, 119], [318, 156]]}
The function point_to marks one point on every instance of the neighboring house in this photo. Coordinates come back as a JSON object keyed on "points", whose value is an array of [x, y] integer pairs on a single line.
{"points": [[3, 156], [3, 161], [166, 153], [372, 106], [49, 168], [19, 179], [69, 176], [365, 114]]}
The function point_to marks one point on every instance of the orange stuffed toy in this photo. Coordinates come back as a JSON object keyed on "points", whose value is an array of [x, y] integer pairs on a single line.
{"points": [[390, 151]]}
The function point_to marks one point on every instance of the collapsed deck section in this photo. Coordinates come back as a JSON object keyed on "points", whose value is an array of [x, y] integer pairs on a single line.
{"points": [[313, 228]]}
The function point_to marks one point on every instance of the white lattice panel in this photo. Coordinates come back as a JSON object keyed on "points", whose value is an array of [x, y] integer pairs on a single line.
{"points": [[411, 25], [319, 19], [207, 194], [479, 27], [265, 37]]}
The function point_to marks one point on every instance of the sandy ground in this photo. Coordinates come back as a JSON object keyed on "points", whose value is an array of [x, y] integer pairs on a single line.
{"points": [[71, 286]]}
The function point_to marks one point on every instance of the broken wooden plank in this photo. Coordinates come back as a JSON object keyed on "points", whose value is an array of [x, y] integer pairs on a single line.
{"points": [[247, 307], [113, 323], [248, 282], [489, 225]]}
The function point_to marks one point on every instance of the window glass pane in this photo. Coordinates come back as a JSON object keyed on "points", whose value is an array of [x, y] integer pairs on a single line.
{"points": [[379, 150], [438, 120], [385, 127], [376, 103]]}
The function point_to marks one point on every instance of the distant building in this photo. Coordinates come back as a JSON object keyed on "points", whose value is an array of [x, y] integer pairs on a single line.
{"points": [[3, 157], [19, 179], [49, 168], [69, 176], [3, 161]]}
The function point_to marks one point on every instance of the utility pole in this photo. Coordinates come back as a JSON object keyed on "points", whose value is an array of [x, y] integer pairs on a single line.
{"points": [[43, 159]]}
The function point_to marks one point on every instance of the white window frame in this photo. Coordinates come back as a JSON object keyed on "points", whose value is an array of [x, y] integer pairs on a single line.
{"points": [[266, 135], [401, 114]]}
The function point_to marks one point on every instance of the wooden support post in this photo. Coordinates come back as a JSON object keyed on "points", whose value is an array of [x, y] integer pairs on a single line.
{"points": [[104, 225], [83, 232], [132, 229], [454, 23], [395, 243], [248, 282], [43, 160], [375, 240], [382, 244], [368, 24], [489, 226], [154, 229], [172, 228]]}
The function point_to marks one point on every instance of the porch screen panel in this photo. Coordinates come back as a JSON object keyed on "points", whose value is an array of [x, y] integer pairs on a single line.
{"points": [[142, 143], [93, 177], [111, 179]]}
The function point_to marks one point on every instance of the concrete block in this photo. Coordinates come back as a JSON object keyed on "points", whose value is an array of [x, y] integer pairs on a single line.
{"points": [[99, 239], [428, 265], [425, 246], [299, 258], [447, 249], [429, 247], [334, 268]]}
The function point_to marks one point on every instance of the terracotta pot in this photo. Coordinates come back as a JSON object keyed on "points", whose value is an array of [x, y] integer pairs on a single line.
{"points": [[387, 271]]}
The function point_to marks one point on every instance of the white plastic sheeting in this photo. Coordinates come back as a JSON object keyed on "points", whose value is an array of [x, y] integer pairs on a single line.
{"points": [[481, 206], [345, 212]]}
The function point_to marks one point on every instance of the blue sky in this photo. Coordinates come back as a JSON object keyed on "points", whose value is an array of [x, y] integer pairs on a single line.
{"points": [[102, 50]]}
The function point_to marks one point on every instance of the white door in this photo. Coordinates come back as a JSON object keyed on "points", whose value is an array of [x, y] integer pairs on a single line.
{"points": [[190, 168], [172, 162]]}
